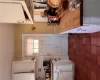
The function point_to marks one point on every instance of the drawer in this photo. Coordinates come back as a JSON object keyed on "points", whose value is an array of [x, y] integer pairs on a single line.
{"points": [[23, 66], [66, 76], [68, 67], [24, 76]]}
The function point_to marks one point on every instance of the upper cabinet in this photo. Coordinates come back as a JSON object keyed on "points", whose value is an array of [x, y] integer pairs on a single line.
{"points": [[11, 13], [14, 12]]}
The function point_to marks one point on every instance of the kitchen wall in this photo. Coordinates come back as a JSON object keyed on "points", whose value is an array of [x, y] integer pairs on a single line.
{"points": [[6, 50], [84, 51], [41, 28]]}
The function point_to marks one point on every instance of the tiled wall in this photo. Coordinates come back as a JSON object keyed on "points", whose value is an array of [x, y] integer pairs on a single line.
{"points": [[84, 51]]}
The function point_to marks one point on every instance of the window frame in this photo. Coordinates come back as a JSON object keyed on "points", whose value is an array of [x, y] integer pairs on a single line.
{"points": [[33, 44], [24, 39]]}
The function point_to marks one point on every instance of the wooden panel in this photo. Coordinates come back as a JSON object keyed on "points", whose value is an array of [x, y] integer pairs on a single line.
{"points": [[70, 20]]}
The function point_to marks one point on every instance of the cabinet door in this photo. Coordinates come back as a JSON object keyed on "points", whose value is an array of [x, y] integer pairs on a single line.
{"points": [[11, 13], [23, 76]]}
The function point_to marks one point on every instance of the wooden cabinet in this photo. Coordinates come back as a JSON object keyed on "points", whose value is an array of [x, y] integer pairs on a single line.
{"points": [[23, 70]]}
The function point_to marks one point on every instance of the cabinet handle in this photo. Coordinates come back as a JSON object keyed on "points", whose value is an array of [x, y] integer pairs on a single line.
{"points": [[20, 21]]}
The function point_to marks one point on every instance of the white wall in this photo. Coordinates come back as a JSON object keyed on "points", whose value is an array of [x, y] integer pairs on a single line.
{"points": [[49, 44], [6, 50]]}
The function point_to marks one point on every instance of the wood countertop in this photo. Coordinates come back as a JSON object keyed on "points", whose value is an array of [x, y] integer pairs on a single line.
{"points": [[70, 20]]}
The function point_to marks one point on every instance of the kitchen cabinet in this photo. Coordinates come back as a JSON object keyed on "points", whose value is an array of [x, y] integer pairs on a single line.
{"points": [[8, 13], [14, 12], [24, 76], [23, 70], [23, 66]]}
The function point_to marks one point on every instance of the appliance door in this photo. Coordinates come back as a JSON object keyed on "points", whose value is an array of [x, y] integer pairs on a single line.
{"points": [[24, 76], [65, 76]]}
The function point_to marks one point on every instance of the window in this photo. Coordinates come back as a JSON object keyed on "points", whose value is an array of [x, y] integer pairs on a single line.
{"points": [[32, 46], [36, 46]]}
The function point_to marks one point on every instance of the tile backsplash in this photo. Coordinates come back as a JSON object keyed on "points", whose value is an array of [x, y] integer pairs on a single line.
{"points": [[84, 51]]}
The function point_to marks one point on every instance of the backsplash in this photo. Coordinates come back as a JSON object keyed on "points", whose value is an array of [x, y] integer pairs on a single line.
{"points": [[84, 51]]}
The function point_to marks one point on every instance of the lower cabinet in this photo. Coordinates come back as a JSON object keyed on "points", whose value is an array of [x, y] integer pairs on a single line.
{"points": [[24, 76], [66, 76]]}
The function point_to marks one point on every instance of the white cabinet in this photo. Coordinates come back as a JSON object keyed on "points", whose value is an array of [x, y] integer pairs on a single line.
{"points": [[23, 70], [66, 76], [62, 70], [14, 12], [23, 66], [11, 13], [24, 76]]}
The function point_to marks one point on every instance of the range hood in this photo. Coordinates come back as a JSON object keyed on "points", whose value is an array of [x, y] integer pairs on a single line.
{"points": [[12, 11]]}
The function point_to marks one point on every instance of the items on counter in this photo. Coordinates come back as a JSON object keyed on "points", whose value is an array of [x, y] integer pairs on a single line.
{"points": [[47, 68]]}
